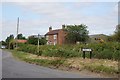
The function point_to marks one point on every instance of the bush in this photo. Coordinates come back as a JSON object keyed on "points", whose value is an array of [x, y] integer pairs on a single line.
{"points": [[101, 50]]}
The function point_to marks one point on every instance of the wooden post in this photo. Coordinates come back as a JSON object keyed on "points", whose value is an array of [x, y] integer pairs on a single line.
{"points": [[90, 54], [84, 54], [87, 50]]}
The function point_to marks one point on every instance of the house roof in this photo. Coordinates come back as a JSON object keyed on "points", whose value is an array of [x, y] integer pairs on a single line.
{"points": [[21, 41], [36, 36], [53, 32], [97, 35]]}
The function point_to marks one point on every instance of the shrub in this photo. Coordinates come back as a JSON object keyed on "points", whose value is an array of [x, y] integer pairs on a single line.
{"points": [[101, 50]]}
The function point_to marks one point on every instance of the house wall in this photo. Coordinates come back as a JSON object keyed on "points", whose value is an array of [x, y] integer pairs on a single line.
{"points": [[60, 38], [51, 39]]}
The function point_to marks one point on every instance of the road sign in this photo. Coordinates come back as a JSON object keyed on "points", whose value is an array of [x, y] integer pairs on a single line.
{"points": [[86, 49]]}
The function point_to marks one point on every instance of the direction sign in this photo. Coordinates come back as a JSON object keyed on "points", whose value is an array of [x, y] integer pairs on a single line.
{"points": [[86, 49]]}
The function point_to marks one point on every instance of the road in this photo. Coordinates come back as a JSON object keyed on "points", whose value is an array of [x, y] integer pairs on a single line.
{"points": [[14, 68]]}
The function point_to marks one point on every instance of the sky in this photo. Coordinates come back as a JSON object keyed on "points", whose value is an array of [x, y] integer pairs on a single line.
{"points": [[37, 17]]}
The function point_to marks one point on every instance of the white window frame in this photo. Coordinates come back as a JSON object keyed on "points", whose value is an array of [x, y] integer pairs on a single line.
{"points": [[55, 37], [47, 37]]}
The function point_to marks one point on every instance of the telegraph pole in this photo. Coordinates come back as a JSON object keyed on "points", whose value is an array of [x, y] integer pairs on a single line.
{"points": [[38, 42], [17, 31]]}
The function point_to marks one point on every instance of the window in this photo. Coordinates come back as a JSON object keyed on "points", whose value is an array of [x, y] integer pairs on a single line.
{"points": [[55, 36], [47, 37]]}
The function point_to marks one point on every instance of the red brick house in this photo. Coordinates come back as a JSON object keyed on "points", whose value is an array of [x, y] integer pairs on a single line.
{"points": [[57, 36]]}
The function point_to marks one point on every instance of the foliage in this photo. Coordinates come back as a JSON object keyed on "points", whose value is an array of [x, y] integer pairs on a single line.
{"points": [[44, 62], [100, 68], [34, 41], [3, 43], [95, 66], [109, 50], [20, 36], [43, 41], [116, 36], [76, 33], [8, 40], [117, 33]]}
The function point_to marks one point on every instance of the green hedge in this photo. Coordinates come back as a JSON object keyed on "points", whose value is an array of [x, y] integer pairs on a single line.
{"points": [[101, 50]]}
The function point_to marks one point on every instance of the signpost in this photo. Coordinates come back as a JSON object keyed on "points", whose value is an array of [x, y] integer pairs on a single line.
{"points": [[87, 50]]}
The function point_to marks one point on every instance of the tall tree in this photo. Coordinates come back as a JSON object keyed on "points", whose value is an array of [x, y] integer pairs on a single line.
{"points": [[20, 36], [8, 40], [76, 33]]}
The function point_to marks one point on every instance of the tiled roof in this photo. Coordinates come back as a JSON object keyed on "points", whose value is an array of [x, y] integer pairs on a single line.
{"points": [[21, 41], [53, 32]]}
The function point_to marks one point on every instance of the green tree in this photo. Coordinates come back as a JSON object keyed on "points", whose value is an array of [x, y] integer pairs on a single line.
{"points": [[3, 43], [76, 33], [20, 36], [8, 41], [117, 33], [34, 41]]}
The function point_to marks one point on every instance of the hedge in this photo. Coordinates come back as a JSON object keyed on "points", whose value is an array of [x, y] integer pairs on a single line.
{"points": [[109, 50]]}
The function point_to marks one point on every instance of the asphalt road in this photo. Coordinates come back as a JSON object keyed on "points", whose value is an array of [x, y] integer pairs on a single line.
{"points": [[13, 68]]}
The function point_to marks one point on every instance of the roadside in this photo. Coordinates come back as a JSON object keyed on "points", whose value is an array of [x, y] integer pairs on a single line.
{"points": [[100, 67], [15, 68]]}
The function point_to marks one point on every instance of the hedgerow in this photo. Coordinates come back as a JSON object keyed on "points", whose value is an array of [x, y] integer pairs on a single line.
{"points": [[109, 50]]}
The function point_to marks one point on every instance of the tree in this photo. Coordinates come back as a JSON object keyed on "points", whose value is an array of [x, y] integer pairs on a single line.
{"points": [[20, 36], [8, 41], [3, 43], [117, 33], [76, 33], [43, 41], [34, 41]]}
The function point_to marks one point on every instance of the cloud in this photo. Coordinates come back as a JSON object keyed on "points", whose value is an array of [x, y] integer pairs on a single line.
{"points": [[55, 14]]}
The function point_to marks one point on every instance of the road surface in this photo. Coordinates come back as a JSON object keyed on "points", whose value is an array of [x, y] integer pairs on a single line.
{"points": [[13, 68]]}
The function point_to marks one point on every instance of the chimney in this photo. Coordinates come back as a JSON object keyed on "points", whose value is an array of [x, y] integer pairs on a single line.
{"points": [[50, 28], [63, 26]]}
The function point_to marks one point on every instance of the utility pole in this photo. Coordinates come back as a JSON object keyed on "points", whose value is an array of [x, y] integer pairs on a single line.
{"points": [[17, 32], [38, 42]]}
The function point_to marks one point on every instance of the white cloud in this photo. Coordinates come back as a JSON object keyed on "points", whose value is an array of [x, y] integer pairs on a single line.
{"points": [[56, 14]]}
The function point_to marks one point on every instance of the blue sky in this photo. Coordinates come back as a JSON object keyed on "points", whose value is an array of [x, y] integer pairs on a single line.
{"points": [[36, 17]]}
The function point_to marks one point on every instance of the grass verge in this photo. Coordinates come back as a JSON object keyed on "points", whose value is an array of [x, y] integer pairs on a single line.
{"points": [[79, 64], [44, 62]]}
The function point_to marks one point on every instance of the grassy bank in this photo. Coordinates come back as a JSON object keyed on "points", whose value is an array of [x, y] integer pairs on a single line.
{"points": [[94, 65]]}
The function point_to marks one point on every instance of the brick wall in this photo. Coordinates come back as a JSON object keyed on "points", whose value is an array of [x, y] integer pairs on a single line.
{"points": [[60, 37]]}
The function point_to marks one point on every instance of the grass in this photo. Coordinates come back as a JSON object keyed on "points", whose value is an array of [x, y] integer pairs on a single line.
{"points": [[94, 65], [44, 62]]}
